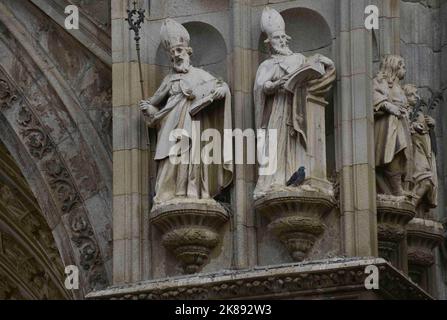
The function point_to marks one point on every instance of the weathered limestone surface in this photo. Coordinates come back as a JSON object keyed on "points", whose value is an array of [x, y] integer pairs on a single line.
{"points": [[65, 179], [343, 279], [56, 124]]}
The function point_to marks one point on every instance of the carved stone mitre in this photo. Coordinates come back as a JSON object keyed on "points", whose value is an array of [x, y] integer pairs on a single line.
{"points": [[272, 22], [173, 34]]}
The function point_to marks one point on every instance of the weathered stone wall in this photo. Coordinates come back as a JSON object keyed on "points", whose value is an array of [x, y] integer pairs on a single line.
{"points": [[227, 40], [423, 45]]}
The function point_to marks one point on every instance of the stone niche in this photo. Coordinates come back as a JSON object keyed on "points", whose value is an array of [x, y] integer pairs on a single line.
{"points": [[190, 237], [298, 224]]}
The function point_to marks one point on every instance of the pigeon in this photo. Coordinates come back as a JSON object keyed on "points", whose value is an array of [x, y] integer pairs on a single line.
{"points": [[297, 178]]}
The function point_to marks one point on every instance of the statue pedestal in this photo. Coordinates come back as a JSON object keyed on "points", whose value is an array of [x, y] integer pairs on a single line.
{"points": [[190, 229], [393, 214], [422, 236], [295, 217]]}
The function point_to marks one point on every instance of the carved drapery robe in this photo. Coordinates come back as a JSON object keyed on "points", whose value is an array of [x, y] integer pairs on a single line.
{"points": [[391, 134], [424, 161], [174, 99], [282, 111]]}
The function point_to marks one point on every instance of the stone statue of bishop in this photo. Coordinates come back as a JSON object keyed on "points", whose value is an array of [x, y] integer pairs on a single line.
{"points": [[277, 108], [170, 111]]}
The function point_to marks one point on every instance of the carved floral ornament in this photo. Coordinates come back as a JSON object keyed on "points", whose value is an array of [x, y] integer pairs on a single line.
{"points": [[30, 222], [21, 262], [7, 95], [40, 145]]}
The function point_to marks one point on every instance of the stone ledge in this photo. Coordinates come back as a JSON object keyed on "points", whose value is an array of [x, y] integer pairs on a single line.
{"points": [[324, 278]]}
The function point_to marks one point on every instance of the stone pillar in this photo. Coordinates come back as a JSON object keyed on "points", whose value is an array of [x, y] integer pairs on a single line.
{"points": [[441, 265], [130, 156], [389, 28], [244, 237], [355, 131]]}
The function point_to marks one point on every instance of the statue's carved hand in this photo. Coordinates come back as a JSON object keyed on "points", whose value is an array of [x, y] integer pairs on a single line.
{"points": [[220, 92], [144, 107], [419, 127], [273, 86], [292, 131], [394, 110], [404, 112], [149, 112], [328, 63], [430, 121]]}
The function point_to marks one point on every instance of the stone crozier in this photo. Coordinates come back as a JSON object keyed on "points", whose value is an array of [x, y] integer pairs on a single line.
{"points": [[296, 217], [190, 230]]}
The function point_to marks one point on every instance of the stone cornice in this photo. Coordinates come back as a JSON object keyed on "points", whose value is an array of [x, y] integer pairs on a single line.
{"points": [[285, 281]]}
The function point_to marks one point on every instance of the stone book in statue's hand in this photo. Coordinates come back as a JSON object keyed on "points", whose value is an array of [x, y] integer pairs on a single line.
{"points": [[304, 74], [200, 104], [204, 96]]}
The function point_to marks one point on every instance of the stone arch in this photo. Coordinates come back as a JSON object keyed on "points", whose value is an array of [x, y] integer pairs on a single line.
{"points": [[31, 266], [55, 121], [209, 51]]}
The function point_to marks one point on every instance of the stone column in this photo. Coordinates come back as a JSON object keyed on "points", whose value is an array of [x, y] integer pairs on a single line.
{"points": [[441, 265], [130, 156], [244, 253], [355, 131], [389, 27]]}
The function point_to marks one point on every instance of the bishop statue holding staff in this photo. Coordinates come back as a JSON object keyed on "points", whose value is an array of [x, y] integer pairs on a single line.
{"points": [[280, 102], [188, 96]]}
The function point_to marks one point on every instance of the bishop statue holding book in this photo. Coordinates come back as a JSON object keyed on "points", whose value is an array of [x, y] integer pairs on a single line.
{"points": [[282, 83], [189, 99]]}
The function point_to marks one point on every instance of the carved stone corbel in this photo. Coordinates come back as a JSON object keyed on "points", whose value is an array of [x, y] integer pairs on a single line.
{"points": [[423, 236], [392, 217], [296, 218], [190, 230]]}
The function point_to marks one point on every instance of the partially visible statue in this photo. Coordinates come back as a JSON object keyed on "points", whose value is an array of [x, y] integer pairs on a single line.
{"points": [[393, 147], [280, 100], [186, 95], [424, 159]]}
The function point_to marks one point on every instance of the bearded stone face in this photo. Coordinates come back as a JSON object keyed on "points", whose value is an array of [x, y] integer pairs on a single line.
{"points": [[180, 59], [279, 43]]}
